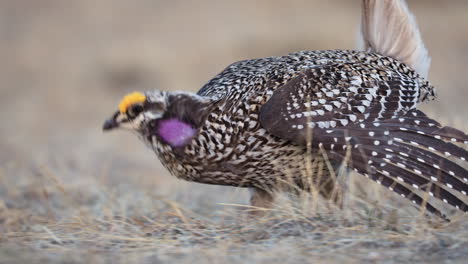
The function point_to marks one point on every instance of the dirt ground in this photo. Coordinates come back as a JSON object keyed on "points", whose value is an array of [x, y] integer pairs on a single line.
{"points": [[71, 194]]}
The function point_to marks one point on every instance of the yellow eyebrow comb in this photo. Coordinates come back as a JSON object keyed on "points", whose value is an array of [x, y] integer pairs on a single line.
{"points": [[130, 99]]}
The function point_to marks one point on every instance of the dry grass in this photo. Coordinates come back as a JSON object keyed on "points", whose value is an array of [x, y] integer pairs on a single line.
{"points": [[68, 222], [70, 194]]}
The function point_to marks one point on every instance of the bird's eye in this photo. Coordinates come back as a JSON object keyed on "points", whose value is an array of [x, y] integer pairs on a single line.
{"points": [[134, 110]]}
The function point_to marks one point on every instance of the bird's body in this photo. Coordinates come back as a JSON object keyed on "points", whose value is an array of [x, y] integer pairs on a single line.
{"points": [[291, 121], [231, 147]]}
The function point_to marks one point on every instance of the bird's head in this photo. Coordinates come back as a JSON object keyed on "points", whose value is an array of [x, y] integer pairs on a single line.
{"points": [[173, 117], [136, 110]]}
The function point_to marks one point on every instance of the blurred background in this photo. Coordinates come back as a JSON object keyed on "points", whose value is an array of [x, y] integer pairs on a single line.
{"points": [[65, 65]]}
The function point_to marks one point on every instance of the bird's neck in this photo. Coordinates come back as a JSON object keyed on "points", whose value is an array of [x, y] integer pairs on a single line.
{"points": [[175, 132], [185, 113]]}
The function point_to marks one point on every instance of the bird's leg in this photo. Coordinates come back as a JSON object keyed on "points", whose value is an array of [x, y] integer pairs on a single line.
{"points": [[261, 199]]}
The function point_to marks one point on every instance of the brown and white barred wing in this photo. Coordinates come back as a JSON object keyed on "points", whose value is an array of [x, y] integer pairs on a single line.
{"points": [[337, 96], [372, 120]]}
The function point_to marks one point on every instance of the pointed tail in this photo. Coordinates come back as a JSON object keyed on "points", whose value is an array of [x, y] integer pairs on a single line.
{"points": [[389, 28]]}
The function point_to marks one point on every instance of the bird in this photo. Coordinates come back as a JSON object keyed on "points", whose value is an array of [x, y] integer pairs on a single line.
{"points": [[290, 122]]}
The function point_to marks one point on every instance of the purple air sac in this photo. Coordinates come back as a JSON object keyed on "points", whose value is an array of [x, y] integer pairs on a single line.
{"points": [[175, 132]]}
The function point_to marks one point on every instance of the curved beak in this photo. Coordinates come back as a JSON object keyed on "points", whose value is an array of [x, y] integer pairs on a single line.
{"points": [[112, 122]]}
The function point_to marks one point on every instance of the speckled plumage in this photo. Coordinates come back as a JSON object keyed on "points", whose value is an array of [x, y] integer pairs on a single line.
{"points": [[265, 122], [232, 141]]}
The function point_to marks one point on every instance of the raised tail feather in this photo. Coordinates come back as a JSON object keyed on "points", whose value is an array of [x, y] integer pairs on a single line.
{"points": [[406, 153], [389, 28]]}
